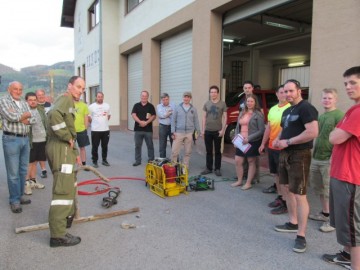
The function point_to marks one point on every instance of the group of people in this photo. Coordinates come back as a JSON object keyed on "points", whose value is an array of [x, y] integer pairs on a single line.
{"points": [[179, 124], [330, 168], [36, 131], [293, 124], [97, 115]]}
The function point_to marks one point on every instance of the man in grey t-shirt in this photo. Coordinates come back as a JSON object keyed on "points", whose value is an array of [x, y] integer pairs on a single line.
{"points": [[213, 128]]}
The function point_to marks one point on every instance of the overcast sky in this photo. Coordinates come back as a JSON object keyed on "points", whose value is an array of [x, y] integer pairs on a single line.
{"points": [[31, 34]]}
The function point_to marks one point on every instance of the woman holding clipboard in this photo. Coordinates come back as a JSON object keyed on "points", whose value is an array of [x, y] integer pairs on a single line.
{"points": [[251, 126]]}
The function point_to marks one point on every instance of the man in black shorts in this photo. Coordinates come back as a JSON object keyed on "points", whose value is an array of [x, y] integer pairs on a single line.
{"points": [[81, 124], [37, 139], [299, 128], [272, 131]]}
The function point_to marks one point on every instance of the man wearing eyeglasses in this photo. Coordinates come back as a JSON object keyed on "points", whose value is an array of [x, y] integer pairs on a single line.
{"points": [[299, 129]]}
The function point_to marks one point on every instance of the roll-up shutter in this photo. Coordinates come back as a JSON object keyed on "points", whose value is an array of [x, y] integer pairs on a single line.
{"points": [[176, 65], [301, 74], [134, 83]]}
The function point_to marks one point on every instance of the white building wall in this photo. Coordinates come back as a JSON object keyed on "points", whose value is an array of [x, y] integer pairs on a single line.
{"points": [[101, 62], [86, 44], [109, 70], [140, 19]]}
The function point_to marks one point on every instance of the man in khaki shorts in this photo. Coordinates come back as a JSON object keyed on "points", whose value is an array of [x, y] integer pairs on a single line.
{"points": [[320, 163], [299, 128]]}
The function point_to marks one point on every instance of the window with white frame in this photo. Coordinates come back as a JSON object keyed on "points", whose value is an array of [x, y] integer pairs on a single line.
{"points": [[94, 15], [131, 4]]}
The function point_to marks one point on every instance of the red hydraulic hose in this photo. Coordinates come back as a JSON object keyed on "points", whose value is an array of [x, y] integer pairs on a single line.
{"points": [[106, 187]]}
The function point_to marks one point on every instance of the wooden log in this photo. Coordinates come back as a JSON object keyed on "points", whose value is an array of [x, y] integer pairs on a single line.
{"points": [[45, 226], [94, 171]]}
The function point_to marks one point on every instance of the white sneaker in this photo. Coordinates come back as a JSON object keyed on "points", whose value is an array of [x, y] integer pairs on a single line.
{"points": [[326, 227], [320, 217], [27, 189], [36, 184]]}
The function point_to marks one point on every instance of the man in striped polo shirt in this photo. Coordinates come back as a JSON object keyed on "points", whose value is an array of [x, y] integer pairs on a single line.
{"points": [[15, 114]]}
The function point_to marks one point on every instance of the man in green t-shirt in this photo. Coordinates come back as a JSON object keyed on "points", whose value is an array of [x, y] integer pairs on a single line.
{"points": [[81, 124], [213, 129], [320, 163]]}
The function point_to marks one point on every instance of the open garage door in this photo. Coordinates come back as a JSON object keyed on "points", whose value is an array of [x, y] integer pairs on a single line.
{"points": [[261, 38], [134, 83]]}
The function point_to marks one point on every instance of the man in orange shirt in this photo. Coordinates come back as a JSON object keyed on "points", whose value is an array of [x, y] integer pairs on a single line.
{"points": [[272, 130]]}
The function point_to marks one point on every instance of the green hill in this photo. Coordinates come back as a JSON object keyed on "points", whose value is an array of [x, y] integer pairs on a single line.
{"points": [[39, 76]]}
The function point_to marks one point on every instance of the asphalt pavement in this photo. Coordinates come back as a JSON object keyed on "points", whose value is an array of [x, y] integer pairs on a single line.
{"points": [[222, 229]]}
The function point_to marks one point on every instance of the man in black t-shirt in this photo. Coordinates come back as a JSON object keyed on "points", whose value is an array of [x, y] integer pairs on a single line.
{"points": [[299, 128], [144, 114], [248, 88]]}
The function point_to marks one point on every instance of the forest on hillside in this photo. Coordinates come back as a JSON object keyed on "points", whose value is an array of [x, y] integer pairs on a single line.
{"points": [[39, 76]]}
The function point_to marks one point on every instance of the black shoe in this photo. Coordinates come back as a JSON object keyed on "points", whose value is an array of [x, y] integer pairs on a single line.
{"points": [[69, 221], [24, 201], [342, 258], [136, 164], [300, 245], [43, 174], [287, 227], [16, 208], [276, 203], [95, 165], [66, 241], [105, 163], [282, 209]]}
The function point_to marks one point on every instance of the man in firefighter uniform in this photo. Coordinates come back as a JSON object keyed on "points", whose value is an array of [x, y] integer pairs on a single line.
{"points": [[62, 156]]}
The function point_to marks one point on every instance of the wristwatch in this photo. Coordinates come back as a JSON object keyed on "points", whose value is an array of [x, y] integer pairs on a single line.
{"points": [[288, 141]]}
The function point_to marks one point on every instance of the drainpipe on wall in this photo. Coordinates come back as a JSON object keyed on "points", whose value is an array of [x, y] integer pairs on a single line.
{"points": [[100, 49]]}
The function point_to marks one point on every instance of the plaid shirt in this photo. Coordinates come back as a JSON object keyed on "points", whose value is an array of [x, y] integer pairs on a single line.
{"points": [[11, 113]]}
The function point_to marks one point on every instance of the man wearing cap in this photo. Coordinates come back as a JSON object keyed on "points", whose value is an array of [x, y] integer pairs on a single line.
{"points": [[164, 111], [183, 124]]}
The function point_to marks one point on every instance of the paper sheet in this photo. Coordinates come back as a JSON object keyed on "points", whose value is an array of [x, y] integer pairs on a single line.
{"points": [[238, 142]]}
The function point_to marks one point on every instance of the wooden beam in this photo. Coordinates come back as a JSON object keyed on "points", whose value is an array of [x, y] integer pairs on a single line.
{"points": [[45, 226]]}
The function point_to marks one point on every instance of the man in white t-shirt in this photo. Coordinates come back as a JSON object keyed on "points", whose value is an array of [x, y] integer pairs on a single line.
{"points": [[99, 115]]}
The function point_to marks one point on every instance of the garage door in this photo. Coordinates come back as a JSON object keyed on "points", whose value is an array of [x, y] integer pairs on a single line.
{"points": [[301, 74], [176, 65], [134, 83]]}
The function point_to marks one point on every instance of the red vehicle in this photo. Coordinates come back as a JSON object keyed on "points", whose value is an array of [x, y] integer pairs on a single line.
{"points": [[268, 99]]}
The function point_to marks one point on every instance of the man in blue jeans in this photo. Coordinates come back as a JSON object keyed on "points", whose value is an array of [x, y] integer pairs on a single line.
{"points": [[15, 114], [144, 114], [164, 112], [213, 127]]}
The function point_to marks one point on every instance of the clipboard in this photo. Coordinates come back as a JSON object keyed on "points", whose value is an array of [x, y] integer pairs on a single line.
{"points": [[238, 142]]}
